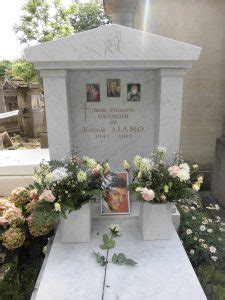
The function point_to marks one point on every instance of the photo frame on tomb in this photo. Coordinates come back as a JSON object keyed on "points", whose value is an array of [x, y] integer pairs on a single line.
{"points": [[116, 200], [133, 92], [93, 92], [113, 87]]}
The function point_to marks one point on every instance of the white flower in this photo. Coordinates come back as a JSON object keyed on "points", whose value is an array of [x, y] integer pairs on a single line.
{"points": [[81, 176], [195, 238], [57, 207], [222, 229], [194, 218], [217, 207], [192, 207], [138, 189], [115, 229], [91, 163], [212, 249], [137, 161], [204, 246], [192, 251], [185, 166], [195, 166], [161, 150], [146, 165], [183, 175], [209, 230], [202, 228], [59, 174], [201, 241], [189, 231], [214, 258]]}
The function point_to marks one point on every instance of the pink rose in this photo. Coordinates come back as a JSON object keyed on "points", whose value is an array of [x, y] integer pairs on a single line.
{"points": [[47, 196], [95, 172], [147, 194], [174, 171]]}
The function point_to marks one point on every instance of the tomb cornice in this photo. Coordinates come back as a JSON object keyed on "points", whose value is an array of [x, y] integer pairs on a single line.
{"points": [[106, 65]]}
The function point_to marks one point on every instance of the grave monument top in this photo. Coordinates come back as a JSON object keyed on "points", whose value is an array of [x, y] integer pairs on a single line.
{"points": [[113, 91]]}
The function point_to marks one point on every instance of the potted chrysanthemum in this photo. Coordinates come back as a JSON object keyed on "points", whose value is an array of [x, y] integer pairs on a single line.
{"points": [[158, 184]]}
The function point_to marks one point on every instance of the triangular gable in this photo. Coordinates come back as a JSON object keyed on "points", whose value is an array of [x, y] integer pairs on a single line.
{"points": [[113, 43]]}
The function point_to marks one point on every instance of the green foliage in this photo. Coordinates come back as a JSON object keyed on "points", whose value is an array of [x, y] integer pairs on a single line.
{"points": [[87, 16], [44, 21], [121, 259], [43, 215], [212, 280], [199, 232], [101, 259], [18, 70], [4, 65], [108, 243], [20, 281], [23, 70]]}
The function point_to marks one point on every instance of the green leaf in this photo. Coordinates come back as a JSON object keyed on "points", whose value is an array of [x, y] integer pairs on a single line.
{"points": [[103, 247], [101, 259], [130, 262], [111, 244], [114, 258], [121, 258], [106, 238]]}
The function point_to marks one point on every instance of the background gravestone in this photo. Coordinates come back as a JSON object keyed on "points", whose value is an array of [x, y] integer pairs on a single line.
{"points": [[113, 128]]}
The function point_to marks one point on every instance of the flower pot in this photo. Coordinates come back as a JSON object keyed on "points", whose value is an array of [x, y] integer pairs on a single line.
{"points": [[156, 221], [77, 227]]}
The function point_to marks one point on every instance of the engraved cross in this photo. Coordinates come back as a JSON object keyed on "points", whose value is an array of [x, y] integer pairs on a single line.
{"points": [[85, 108]]}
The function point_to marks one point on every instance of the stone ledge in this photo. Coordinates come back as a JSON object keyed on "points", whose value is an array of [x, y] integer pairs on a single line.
{"points": [[71, 271]]}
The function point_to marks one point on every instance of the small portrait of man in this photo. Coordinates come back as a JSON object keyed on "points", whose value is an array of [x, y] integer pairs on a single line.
{"points": [[113, 87], [116, 195], [93, 92], [134, 92]]}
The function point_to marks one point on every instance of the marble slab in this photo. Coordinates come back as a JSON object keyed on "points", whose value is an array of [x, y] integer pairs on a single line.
{"points": [[163, 270], [21, 162]]}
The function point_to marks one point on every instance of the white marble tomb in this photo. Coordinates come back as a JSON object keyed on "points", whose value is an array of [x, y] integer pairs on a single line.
{"points": [[98, 129], [113, 128]]}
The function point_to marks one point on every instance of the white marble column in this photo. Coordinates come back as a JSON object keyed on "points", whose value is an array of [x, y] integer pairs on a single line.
{"points": [[169, 93], [57, 112]]}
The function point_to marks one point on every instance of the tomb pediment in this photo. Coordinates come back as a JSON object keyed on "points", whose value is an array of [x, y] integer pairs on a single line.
{"points": [[112, 43]]}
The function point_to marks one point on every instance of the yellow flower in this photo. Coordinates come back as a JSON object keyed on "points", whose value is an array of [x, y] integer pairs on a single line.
{"points": [[81, 176], [107, 167], [57, 207], [196, 186], [126, 165], [166, 189], [137, 161], [200, 179], [139, 174], [195, 166]]}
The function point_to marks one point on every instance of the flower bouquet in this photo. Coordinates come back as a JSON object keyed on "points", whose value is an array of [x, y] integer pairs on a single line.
{"points": [[156, 181]]}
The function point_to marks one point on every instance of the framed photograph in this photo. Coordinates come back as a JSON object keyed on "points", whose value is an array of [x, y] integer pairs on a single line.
{"points": [[113, 88], [93, 92], [116, 199], [134, 92]]}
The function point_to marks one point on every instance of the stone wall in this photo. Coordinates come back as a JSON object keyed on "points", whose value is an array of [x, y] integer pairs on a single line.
{"points": [[201, 23]]}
